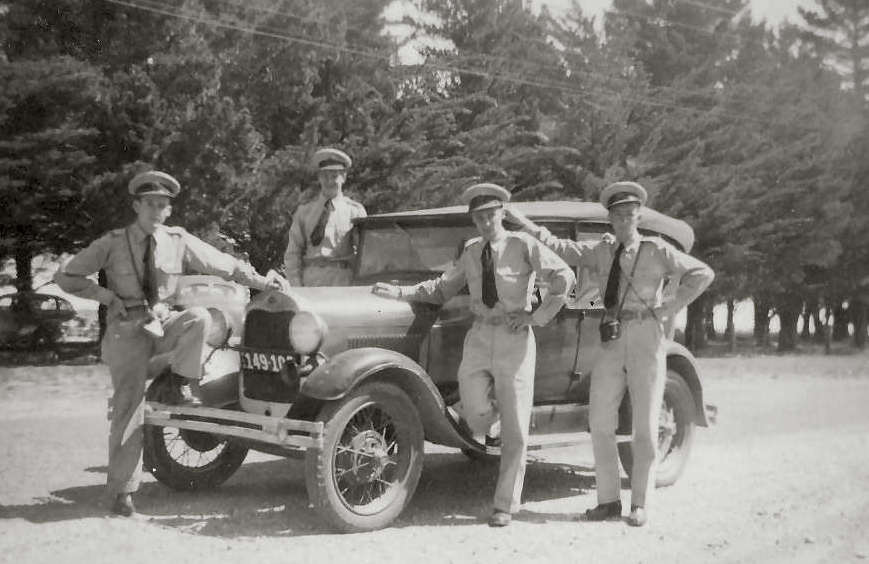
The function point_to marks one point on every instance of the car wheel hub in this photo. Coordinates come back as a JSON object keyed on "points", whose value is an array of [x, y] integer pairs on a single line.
{"points": [[666, 429], [368, 457]]}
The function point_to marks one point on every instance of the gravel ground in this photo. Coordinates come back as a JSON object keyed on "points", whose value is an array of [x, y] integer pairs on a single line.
{"points": [[784, 476]]}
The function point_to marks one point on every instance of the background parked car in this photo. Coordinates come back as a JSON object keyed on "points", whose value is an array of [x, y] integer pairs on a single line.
{"points": [[32, 320]]}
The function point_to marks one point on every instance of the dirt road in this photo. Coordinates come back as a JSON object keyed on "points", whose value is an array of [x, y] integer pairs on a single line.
{"points": [[783, 477]]}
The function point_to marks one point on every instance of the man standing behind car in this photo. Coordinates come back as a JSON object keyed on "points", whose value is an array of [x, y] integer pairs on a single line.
{"points": [[499, 352], [142, 264], [320, 249], [633, 270]]}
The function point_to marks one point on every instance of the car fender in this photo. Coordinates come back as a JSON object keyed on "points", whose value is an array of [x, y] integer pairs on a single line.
{"points": [[677, 354], [347, 370]]}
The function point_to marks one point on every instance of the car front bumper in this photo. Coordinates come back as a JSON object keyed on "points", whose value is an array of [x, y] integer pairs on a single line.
{"points": [[292, 434]]}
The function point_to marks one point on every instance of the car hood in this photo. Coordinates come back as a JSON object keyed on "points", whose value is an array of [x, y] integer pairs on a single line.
{"points": [[352, 306]]}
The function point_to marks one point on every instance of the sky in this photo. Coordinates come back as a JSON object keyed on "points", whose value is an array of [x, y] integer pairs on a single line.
{"points": [[774, 11]]}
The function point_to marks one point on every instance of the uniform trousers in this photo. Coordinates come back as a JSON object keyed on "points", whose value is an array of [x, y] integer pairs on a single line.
{"points": [[636, 362], [500, 360], [127, 349], [315, 275]]}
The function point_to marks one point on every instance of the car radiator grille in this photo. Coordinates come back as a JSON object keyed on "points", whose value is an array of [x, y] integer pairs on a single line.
{"points": [[269, 331]]}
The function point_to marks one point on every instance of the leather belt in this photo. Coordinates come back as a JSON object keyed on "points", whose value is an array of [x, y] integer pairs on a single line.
{"points": [[628, 315], [326, 261], [490, 319]]}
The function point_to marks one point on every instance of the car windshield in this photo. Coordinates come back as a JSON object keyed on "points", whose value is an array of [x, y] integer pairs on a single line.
{"points": [[397, 248]]}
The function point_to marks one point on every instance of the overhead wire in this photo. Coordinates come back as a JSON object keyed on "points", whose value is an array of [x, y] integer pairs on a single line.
{"points": [[149, 5]]}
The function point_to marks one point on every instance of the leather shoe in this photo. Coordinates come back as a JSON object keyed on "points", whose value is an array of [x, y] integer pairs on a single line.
{"points": [[123, 505], [604, 512], [499, 518], [182, 392], [638, 516]]}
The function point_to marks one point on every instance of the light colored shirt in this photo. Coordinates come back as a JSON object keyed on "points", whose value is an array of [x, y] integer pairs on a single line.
{"points": [[518, 260], [121, 253], [337, 244], [658, 262]]}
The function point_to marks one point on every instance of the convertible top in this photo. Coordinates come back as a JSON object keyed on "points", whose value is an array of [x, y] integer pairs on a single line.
{"points": [[560, 210]]}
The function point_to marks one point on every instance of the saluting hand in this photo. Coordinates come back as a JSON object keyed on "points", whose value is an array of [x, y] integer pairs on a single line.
{"points": [[513, 215], [385, 290]]}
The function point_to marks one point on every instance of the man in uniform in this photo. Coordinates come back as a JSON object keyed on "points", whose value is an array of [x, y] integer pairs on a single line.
{"points": [[321, 247], [499, 268], [633, 270], [142, 264]]}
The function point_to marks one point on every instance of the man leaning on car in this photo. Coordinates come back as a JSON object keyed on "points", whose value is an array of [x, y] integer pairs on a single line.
{"points": [[633, 270], [142, 264], [499, 352]]}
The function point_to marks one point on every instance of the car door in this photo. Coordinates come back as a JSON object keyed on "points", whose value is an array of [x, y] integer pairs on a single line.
{"points": [[589, 301], [554, 379]]}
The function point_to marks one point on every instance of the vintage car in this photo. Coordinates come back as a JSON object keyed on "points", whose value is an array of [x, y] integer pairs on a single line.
{"points": [[30, 320], [355, 383]]}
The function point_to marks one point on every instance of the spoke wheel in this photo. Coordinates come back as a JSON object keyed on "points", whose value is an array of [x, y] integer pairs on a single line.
{"points": [[371, 459], [184, 459], [675, 432]]}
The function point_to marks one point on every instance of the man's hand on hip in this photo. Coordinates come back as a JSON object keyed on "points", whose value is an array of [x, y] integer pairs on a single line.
{"points": [[116, 308], [519, 319]]}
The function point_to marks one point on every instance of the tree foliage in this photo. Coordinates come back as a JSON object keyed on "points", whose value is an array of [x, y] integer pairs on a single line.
{"points": [[743, 131]]}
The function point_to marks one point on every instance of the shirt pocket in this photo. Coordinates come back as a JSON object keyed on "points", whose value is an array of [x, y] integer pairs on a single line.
{"points": [[123, 278], [511, 274]]}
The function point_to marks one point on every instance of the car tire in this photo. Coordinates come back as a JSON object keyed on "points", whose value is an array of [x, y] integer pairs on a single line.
{"points": [[371, 460], [169, 453], [676, 431]]}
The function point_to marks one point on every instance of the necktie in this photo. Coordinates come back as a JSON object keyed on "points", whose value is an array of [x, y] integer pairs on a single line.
{"points": [[149, 278], [611, 296], [320, 229], [490, 291]]}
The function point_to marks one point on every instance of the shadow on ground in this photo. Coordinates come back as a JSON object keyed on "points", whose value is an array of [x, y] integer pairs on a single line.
{"points": [[269, 498]]}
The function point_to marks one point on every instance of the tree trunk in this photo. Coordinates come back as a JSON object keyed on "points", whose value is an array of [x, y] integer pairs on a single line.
{"points": [[730, 330], [101, 312], [761, 322], [840, 322], [820, 328], [695, 331], [828, 331], [789, 311], [808, 315], [858, 318], [23, 273], [709, 321]]}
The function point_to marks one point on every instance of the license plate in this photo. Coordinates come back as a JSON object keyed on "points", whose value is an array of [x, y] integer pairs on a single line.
{"points": [[266, 362]]}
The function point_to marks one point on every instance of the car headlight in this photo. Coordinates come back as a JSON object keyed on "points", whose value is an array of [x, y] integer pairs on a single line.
{"points": [[306, 332], [219, 330]]}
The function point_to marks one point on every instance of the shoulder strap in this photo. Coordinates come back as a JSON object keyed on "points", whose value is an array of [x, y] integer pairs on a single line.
{"points": [[629, 279], [631, 286]]}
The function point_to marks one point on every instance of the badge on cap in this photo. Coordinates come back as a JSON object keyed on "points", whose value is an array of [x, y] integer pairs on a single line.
{"points": [[484, 196], [623, 193], [154, 183], [331, 159]]}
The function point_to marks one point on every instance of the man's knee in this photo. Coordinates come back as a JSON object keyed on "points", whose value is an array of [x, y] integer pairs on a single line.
{"points": [[197, 319], [479, 419]]}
